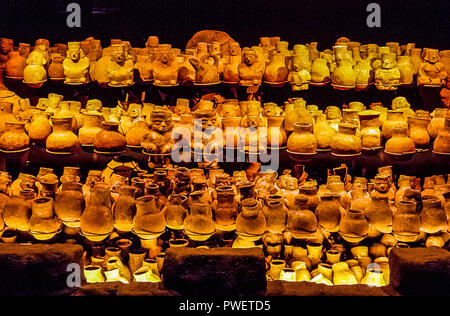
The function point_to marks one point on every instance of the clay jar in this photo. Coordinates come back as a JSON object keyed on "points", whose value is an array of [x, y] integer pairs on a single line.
{"points": [[69, 204], [62, 139], [400, 143], [124, 209], [364, 74], [92, 125], [250, 223], [136, 132], [276, 216], [320, 73], [406, 222], [353, 226], [149, 221], [43, 222], [276, 70], [418, 131], [15, 65], [406, 68], [6, 114], [225, 208], [276, 136], [39, 128], [346, 142], [442, 142], [109, 140], [433, 217], [301, 221], [323, 132], [97, 222], [17, 211], [56, 69], [394, 118], [437, 122], [370, 129], [379, 215], [14, 138], [175, 212], [302, 140], [199, 225], [329, 212]]}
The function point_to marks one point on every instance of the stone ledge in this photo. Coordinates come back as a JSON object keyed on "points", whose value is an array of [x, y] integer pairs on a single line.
{"points": [[420, 271], [215, 272], [36, 269]]}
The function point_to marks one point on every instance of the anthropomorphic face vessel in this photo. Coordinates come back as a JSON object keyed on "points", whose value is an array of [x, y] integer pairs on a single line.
{"points": [[400, 103], [152, 41], [250, 58], [253, 121], [382, 184], [181, 109], [74, 54], [43, 42], [161, 121], [388, 61], [270, 109], [5, 46], [235, 49], [119, 54], [432, 56]]}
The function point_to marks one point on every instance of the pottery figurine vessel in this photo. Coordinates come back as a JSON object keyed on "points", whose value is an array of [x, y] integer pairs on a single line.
{"points": [[276, 70], [165, 67], [387, 77], [302, 140], [437, 122], [251, 69], [431, 71]]}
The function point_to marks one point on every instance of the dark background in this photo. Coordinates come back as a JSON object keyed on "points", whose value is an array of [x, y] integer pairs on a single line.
{"points": [[424, 22]]}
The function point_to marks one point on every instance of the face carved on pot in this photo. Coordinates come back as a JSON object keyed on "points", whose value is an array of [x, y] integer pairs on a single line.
{"points": [[235, 49], [161, 121], [432, 56], [119, 55], [5, 46], [74, 54], [250, 58], [165, 57]]}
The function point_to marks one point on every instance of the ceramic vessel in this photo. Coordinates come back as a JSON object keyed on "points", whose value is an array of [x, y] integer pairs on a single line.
{"points": [[109, 140], [418, 131], [165, 68], [199, 224], [44, 224], [323, 132], [276, 70], [387, 77], [120, 68], [406, 68], [250, 223], [69, 204], [92, 125], [431, 71], [442, 142], [39, 128], [97, 221], [62, 139], [379, 215], [175, 212], [406, 222], [400, 143], [225, 208], [124, 209], [394, 118], [14, 138], [329, 213], [353, 226], [433, 218], [302, 140], [76, 65], [370, 129], [56, 68], [276, 136], [15, 65], [320, 73], [346, 142], [301, 221], [17, 211], [251, 68], [149, 221]]}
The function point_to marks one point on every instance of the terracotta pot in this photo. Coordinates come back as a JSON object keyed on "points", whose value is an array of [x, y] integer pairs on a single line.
{"points": [[97, 219], [406, 222], [370, 129], [92, 125], [175, 212], [250, 223], [14, 138], [320, 73], [329, 213], [298, 114], [6, 114], [62, 139], [442, 142], [136, 132], [149, 220], [433, 218], [44, 224], [17, 211], [364, 74], [276, 136], [56, 69], [394, 118], [199, 224], [302, 140], [186, 72], [124, 209], [276, 70], [379, 215], [225, 208], [109, 139], [353, 226], [15, 65], [301, 221], [406, 68], [400, 142], [437, 122], [346, 141], [69, 204], [418, 131], [39, 128], [323, 132]]}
